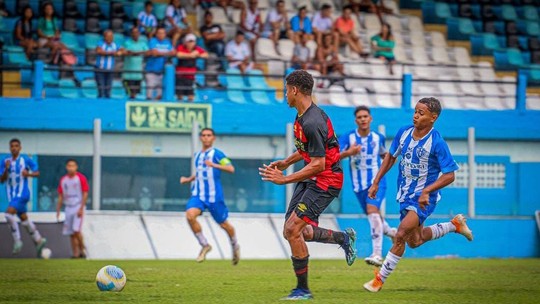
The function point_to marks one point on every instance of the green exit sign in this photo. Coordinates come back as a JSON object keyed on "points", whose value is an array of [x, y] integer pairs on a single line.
{"points": [[166, 117]]}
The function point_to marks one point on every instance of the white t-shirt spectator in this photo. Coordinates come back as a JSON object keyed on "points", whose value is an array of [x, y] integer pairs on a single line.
{"points": [[178, 14], [322, 24], [273, 16], [237, 52]]}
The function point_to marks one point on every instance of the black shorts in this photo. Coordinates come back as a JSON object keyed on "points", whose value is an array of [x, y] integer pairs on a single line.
{"points": [[309, 202], [133, 87], [184, 86]]}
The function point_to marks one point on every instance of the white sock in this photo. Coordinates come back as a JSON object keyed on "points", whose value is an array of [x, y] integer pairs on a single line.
{"points": [[441, 229], [389, 264], [387, 230], [202, 240], [31, 228], [234, 242], [375, 222], [13, 226]]}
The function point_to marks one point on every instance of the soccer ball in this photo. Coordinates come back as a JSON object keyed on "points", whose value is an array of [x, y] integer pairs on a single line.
{"points": [[111, 278], [46, 253]]}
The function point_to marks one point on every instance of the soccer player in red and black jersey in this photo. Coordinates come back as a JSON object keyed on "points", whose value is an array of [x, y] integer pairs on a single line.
{"points": [[318, 183]]}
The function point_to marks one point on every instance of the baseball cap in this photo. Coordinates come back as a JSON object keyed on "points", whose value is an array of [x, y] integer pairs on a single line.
{"points": [[190, 37]]}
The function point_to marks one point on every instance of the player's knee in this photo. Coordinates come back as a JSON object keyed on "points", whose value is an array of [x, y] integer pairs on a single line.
{"points": [[414, 243], [400, 237], [191, 217]]}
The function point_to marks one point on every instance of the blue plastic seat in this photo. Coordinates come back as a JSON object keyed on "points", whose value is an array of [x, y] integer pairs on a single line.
{"points": [[119, 39], [159, 10], [50, 77], [137, 8], [89, 88], [105, 7], [508, 12], [71, 41], [118, 91], [460, 28], [68, 89], [16, 55], [484, 44], [235, 86], [529, 12], [81, 7], [259, 88], [91, 40], [83, 74]]}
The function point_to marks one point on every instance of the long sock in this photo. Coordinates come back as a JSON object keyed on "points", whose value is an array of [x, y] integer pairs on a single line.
{"points": [[31, 228], [321, 235], [387, 229], [441, 229], [13, 226], [202, 240], [234, 241], [389, 264], [375, 222], [301, 270]]}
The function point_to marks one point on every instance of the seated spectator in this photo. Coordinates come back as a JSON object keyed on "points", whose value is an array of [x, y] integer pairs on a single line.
{"points": [[323, 24], [175, 21], [328, 57], [302, 57], [187, 53], [277, 24], [251, 24], [147, 21], [49, 32], [213, 35], [344, 26], [106, 51], [383, 45], [23, 35], [134, 49], [238, 54], [160, 48], [301, 22], [227, 4]]}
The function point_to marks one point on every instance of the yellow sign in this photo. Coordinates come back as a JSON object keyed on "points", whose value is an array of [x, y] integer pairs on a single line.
{"points": [[166, 117]]}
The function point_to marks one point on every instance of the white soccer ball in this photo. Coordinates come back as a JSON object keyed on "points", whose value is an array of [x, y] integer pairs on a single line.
{"points": [[46, 253], [111, 278]]}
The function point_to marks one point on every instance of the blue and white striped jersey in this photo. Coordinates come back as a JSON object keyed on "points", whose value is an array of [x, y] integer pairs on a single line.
{"points": [[207, 186], [364, 165], [146, 21], [421, 162], [106, 62], [17, 184]]}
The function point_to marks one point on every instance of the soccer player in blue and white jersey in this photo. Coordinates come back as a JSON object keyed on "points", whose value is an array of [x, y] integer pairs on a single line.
{"points": [[15, 170], [426, 166], [147, 21], [365, 149], [207, 193]]}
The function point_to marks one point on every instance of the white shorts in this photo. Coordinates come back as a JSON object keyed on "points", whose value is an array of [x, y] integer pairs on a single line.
{"points": [[72, 223]]}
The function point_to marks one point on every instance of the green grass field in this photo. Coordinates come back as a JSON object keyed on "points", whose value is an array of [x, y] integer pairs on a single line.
{"points": [[414, 281]]}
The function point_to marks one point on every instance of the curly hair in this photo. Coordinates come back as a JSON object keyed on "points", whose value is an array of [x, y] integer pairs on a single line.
{"points": [[302, 80], [433, 104]]}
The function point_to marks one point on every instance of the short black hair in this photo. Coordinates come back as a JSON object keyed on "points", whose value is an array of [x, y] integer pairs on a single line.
{"points": [[302, 80], [71, 160], [362, 108], [348, 7], [147, 3], [239, 33], [280, 1], [325, 6], [433, 104], [207, 129], [302, 8], [207, 13], [14, 140]]}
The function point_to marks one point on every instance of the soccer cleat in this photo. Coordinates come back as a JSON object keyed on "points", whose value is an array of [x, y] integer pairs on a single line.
{"points": [[349, 246], [40, 245], [204, 251], [461, 226], [17, 246], [374, 285], [299, 294], [375, 260], [236, 255]]}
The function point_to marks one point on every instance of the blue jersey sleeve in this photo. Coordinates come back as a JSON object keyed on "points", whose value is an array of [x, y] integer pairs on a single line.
{"points": [[343, 142], [30, 163], [221, 158], [445, 158]]}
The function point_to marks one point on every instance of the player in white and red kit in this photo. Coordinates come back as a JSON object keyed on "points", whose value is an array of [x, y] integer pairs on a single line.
{"points": [[73, 193]]}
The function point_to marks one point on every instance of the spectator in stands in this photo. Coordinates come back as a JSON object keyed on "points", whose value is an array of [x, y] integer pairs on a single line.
{"points": [[160, 48], [49, 32], [175, 21], [251, 24], [383, 45], [23, 34], [302, 57], [226, 4], [147, 21], [187, 53], [323, 24], [327, 56], [344, 25], [238, 53], [277, 24], [302, 23], [213, 35], [134, 49], [106, 51]]}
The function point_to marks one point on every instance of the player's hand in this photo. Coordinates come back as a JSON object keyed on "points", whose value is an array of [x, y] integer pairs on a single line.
{"points": [[80, 213], [209, 163], [354, 149], [272, 174], [184, 180], [423, 200], [280, 164], [7, 164], [372, 191], [25, 173]]}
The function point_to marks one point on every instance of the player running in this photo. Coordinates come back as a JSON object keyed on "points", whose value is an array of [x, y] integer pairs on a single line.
{"points": [[16, 170], [318, 183], [207, 193], [73, 193], [365, 148], [424, 155]]}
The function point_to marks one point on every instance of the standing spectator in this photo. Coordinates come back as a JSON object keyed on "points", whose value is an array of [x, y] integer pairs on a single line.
{"points": [[23, 34], [323, 24], [328, 57], [147, 21], [344, 26], [175, 21], [49, 33], [238, 54], [277, 24], [383, 45], [251, 24], [213, 35], [301, 22], [106, 50], [187, 53], [302, 57], [133, 64], [160, 48]]}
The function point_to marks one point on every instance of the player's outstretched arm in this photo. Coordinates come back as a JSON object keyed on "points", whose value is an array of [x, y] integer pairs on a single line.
{"points": [[26, 173], [229, 168], [185, 179], [387, 163], [286, 163], [275, 175]]}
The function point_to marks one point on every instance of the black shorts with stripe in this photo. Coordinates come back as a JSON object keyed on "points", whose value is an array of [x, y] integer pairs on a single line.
{"points": [[310, 201]]}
